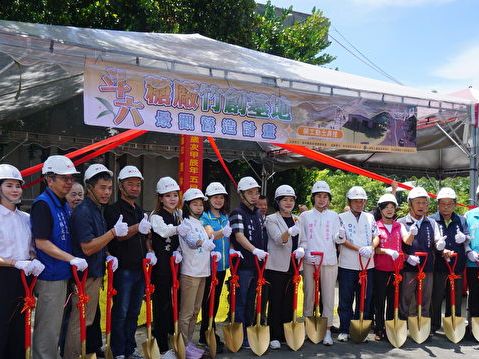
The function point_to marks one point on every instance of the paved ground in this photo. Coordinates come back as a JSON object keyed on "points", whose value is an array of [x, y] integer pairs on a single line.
{"points": [[437, 346]]}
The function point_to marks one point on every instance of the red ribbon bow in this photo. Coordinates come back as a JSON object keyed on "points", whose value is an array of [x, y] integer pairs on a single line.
{"points": [[397, 279], [421, 276], [150, 288], [29, 302], [296, 279], [235, 280]]}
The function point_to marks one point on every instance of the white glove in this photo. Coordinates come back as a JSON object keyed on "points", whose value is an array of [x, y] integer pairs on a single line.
{"points": [[413, 229], [152, 257], [120, 227], [80, 263], [114, 262], [36, 267], [259, 253], [294, 230], [299, 253], [178, 257], [392, 253], [459, 237], [441, 243], [233, 251], [341, 237], [208, 245], [217, 254], [366, 251], [413, 260], [473, 256], [227, 230], [24, 266], [182, 229], [145, 226]]}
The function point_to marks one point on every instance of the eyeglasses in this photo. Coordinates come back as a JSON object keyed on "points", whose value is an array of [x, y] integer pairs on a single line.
{"points": [[65, 178]]}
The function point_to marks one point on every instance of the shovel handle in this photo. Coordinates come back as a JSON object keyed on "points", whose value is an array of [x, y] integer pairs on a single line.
{"points": [[174, 288], [420, 275], [110, 293], [397, 279], [363, 282], [317, 276], [452, 277], [149, 289], [214, 282], [296, 278], [259, 286], [82, 300], [29, 302], [234, 264]]}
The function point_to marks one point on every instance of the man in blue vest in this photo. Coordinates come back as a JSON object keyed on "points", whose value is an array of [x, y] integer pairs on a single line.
{"points": [[50, 220], [453, 226]]}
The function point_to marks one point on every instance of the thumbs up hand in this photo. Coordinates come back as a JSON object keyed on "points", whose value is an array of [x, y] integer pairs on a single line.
{"points": [[145, 226], [120, 227]]}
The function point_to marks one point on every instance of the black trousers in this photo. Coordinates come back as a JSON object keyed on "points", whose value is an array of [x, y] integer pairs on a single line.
{"points": [[205, 304], [94, 340], [441, 289], [383, 295], [162, 309], [473, 299], [12, 333], [280, 309]]}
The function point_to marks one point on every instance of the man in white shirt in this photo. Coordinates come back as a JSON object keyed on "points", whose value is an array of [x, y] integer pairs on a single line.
{"points": [[361, 239], [319, 232]]}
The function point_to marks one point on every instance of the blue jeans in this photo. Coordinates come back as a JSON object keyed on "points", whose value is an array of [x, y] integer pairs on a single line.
{"points": [[349, 289], [130, 287], [246, 297]]}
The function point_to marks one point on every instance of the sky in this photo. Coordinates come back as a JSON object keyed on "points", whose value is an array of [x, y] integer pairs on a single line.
{"points": [[427, 44]]}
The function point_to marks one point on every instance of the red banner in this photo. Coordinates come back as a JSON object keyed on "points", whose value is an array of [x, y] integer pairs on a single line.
{"points": [[191, 162]]}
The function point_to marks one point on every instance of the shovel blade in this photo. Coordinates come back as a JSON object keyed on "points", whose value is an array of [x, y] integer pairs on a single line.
{"points": [[258, 338], [419, 328], [316, 328], [233, 336], [211, 341], [454, 328], [359, 329], [295, 334], [475, 327], [88, 356], [150, 349], [178, 345], [108, 353], [396, 331]]}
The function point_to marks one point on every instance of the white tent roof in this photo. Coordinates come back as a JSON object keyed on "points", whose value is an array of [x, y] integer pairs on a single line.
{"points": [[41, 65]]}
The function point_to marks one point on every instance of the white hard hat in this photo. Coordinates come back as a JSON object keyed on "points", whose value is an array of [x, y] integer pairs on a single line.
{"points": [[59, 165], [129, 172], [10, 172], [215, 188], [417, 192], [388, 197], [446, 192], [247, 183], [193, 193], [166, 185], [284, 190], [95, 169], [320, 186], [356, 192]]}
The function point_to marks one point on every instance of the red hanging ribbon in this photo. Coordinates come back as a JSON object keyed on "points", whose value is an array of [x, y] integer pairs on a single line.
{"points": [[212, 142]]}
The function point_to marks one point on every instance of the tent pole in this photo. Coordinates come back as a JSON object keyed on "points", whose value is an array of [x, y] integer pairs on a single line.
{"points": [[473, 158]]}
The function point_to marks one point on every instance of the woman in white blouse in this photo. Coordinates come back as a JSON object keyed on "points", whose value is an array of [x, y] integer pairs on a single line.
{"points": [[16, 254]]}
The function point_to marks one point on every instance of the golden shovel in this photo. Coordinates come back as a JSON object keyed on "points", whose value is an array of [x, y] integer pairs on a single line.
{"points": [[29, 302], [150, 346], [454, 327], [210, 334], [294, 330], [82, 303], [177, 339], [316, 325], [233, 331], [396, 329], [258, 335], [359, 328], [419, 327]]}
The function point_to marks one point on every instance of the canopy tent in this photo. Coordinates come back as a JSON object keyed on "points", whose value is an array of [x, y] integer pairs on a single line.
{"points": [[42, 65]]}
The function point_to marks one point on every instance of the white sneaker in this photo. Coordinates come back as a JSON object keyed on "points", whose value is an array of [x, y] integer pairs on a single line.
{"points": [[328, 340], [170, 354], [120, 357], [275, 344], [343, 337]]}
